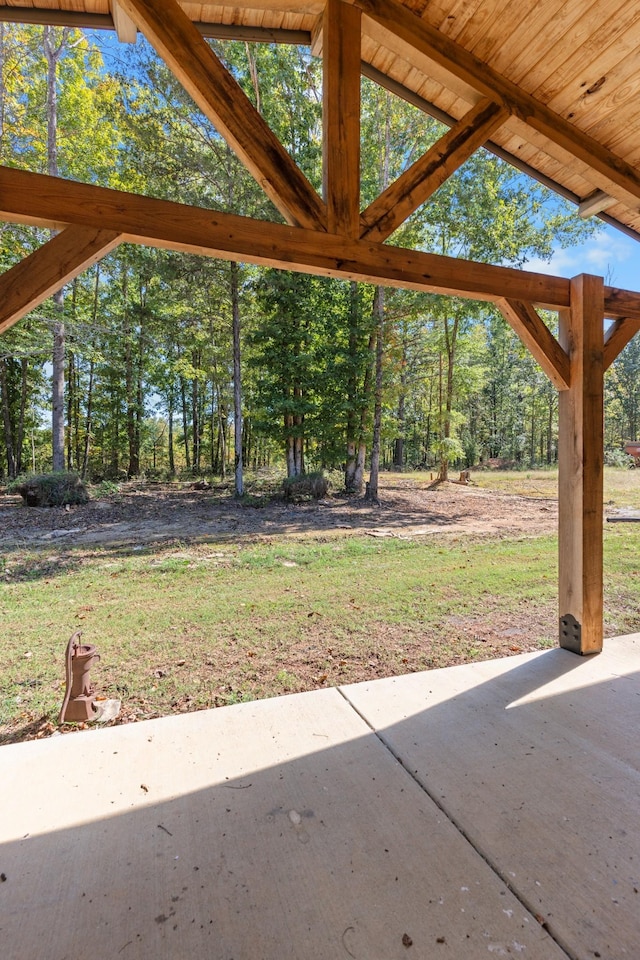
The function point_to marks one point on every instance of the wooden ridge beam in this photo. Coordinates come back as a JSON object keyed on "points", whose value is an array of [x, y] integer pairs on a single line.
{"points": [[341, 117], [416, 184], [539, 341], [36, 198], [619, 334], [27, 284], [223, 101], [400, 21]]}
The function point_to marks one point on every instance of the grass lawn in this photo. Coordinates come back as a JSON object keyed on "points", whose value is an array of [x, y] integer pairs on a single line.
{"points": [[187, 626]]}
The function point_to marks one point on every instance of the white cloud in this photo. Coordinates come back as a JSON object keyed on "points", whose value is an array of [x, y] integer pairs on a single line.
{"points": [[610, 255]]}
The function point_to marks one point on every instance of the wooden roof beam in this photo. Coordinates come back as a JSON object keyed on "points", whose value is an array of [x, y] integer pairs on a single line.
{"points": [[619, 334], [596, 202], [223, 101], [341, 117], [52, 202], [400, 21], [29, 283], [102, 21], [539, 341], [34, 198], [422, 178], [126, 29]]}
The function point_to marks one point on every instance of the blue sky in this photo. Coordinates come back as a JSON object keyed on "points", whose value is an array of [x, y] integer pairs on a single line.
{"points": [[609, 254]]}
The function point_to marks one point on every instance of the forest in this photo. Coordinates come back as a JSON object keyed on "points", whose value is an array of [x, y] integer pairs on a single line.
{"points": [[158, 364]]}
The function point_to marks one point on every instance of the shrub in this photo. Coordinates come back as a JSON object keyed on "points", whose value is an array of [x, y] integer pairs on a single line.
{"points": [[309, 486], [51, 489], [618, 458]]}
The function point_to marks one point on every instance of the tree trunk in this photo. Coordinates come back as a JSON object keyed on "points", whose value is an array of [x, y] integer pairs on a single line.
{"points": [[237, 378], [6, 417], [88, 423], [57, 406], [450, 337], [398, 446], [378, 310], [24, 385], [195, 414], [185, 422], [52, 55], [350, 482], [172, 463]]}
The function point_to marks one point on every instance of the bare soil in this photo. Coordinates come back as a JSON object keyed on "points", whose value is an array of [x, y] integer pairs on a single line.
{"points": [[156, 513]]}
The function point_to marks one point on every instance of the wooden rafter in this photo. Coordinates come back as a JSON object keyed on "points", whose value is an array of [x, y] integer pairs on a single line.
{"points": [[26, 285], [619, 334], [223, 101], [422, 178], [124, 25], [341, 117], [539, 341], [400, 21]]}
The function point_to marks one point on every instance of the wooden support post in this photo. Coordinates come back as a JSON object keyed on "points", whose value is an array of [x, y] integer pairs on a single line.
{"points": [[580, 457], [341, 117]]}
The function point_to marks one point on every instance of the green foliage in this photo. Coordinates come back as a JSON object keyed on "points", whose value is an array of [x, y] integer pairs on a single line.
{"points": [[618, 458], [310, 486], [149, 368], [50, 489]]}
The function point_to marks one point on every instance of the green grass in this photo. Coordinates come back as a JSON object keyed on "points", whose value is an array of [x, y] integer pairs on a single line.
{"points": [[269, 618], [621, 486]]}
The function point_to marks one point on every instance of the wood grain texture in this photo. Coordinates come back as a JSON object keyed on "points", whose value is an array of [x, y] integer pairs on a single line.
{"points": [[422, 178], [125, 27], [580, 463], [539, 341], [52, 202], [341, 117], [430, 42], [619, 334], [37, 198], [31, 281], [223, 101]]}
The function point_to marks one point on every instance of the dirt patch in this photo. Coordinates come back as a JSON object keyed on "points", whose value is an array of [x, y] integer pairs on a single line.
{"points": [[153, 514]]}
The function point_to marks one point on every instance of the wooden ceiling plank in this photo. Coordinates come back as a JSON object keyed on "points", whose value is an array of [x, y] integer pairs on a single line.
{"points": [[560, 29], [162, 223], [223, 101], [619, 334], [422, 178], [596, 38], [399, 21], [484, 40], [341, 117], [539, 341], [31, 281]]}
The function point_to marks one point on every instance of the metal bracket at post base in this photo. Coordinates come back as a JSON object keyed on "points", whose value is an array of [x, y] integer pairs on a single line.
{"points": [[570, 633]]}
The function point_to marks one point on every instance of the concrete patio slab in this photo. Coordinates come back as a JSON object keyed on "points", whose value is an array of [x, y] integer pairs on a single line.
{"points": [[477, 811], [264, 831], [536, 759]]}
